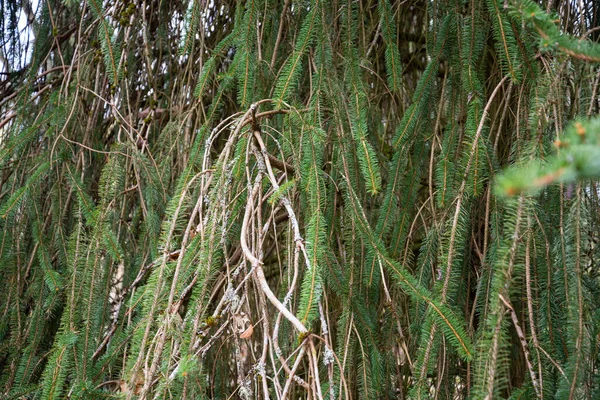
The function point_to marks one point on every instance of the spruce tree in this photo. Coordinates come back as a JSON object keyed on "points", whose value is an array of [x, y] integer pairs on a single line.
{"points": [[369, 199]]}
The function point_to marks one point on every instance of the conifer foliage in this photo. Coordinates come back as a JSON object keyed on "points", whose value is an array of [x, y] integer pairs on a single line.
{"points": [[369, 199]]}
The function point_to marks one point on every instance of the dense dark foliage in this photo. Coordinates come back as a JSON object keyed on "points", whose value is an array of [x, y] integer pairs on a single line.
{"points": [[299, 199]]}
